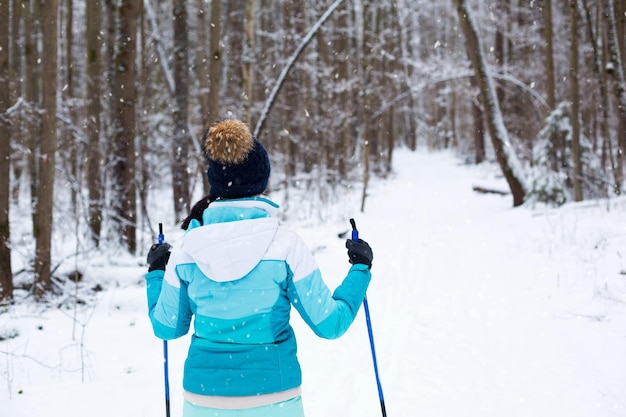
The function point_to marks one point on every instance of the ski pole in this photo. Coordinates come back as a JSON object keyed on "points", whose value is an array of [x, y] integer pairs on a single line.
{"points": [[166, 376], [355, 237]]}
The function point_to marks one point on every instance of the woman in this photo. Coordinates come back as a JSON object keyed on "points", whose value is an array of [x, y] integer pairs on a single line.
{"points": [[237, 271]]}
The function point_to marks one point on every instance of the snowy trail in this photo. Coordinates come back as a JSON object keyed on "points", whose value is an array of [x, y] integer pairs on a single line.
{"points": [[461, 310]]}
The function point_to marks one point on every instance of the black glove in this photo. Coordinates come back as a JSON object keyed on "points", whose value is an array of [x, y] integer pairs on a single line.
{"points": [[158, 256], [359, 252]]}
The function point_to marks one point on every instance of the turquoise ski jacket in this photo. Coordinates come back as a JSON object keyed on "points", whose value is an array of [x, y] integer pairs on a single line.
{"points": [[237, 275]]}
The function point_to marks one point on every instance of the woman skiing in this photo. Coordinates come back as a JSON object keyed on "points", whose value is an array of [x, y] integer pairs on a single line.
{"points": [[237, 271]]}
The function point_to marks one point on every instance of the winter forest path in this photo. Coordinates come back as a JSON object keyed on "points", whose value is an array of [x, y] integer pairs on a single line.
{"points": [[475, 308]]}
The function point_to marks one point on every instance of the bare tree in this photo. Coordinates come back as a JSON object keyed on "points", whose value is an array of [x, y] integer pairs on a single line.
{"points": [[616, 70], [344, 140], [507, 159], [182, 136], [67, 139], [32, 93], [208, 66], [215, 68], [365, 109], [123, 187], [575, 102], [16, 47], [247, 61], [92, 123], [607, 147], [202, 53], [45, 183], [6, 275], [548, 35]]}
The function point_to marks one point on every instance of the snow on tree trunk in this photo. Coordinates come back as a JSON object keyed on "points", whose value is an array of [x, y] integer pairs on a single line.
{"points": [[507, 159]]}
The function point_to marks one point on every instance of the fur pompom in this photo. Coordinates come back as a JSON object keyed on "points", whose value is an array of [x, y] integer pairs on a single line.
{"points": [[228, 142]]}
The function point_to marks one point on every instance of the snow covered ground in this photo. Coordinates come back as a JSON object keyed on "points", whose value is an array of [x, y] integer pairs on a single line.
{"points": [[478, 309]]}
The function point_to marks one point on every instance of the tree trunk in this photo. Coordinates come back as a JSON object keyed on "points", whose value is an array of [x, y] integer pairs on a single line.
{"points": [[45, 183], [620, 27], [365, 103], [479, 126], [619, 82], [575, 102], [215, 68], [182, 136], [93, 128], [247, 60], [607, 148], [232, 60], [502, 7], [32, 92], [548, 38], [67, 139], [17, 127], [202, 52], [6, 275], [123, 188], [345, 136], [203, 70], [507, 159]]}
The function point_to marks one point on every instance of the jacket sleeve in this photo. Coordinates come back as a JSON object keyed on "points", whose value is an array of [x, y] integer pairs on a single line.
{"points": [[329, 316], [168, 303]]}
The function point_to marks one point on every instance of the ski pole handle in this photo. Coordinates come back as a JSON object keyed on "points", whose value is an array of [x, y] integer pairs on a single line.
{"points": [[355, 232], [161, 236]]}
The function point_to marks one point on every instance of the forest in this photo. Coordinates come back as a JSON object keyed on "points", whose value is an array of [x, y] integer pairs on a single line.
{"points": [[103, 104]]}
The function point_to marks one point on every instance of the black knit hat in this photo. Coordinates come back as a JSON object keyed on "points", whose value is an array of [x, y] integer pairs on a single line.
{"points": [[238, 163]]}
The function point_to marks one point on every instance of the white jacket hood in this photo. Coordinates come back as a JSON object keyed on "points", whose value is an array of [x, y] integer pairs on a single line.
{"points": [[229, 251]]}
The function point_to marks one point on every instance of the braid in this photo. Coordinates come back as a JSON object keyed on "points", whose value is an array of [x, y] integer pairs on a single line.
{"points": [[197, 210]]}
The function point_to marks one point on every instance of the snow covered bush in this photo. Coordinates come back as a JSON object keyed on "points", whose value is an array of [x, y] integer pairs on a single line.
{"points": [[552, 164]]}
